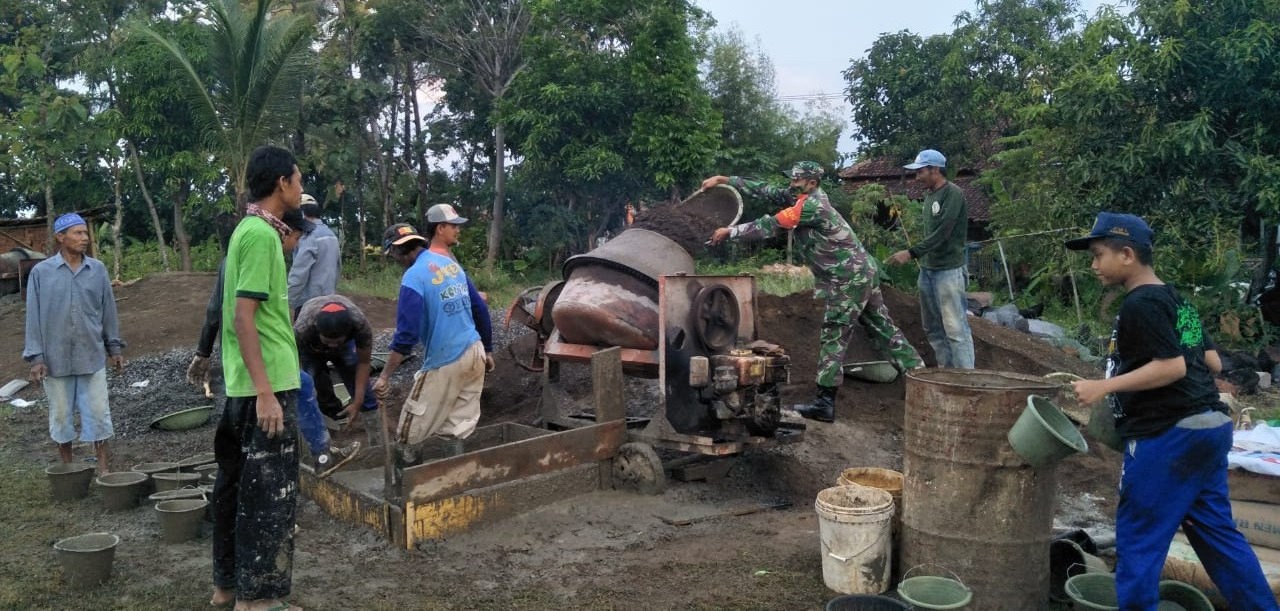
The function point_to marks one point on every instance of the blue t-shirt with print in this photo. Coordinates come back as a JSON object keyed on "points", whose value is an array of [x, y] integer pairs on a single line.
{"points": [[434, 308]]}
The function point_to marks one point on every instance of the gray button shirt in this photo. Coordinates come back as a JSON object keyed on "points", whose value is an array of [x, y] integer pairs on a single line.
{"points": [[315, 266], [71, 317]]}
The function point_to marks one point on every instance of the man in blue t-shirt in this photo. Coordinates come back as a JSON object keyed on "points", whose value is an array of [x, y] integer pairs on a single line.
{"points": [[437, 307]]}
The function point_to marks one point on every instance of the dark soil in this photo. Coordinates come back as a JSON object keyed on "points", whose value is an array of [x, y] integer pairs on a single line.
{"points": [[684, 225], [604, 550]]}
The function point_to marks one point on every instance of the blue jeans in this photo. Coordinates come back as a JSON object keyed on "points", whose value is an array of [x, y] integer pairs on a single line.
{"points": [[310, 423], [344, 360], [1179, 477], [944, 315]]}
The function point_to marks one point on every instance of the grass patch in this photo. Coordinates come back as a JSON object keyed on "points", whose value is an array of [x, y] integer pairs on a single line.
{"points": [[30, 576], [771, 279], [381, 278]]}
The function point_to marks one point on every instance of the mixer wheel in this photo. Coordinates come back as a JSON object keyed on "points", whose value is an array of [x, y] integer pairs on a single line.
{"points": [[716, 317], [637, 467]]}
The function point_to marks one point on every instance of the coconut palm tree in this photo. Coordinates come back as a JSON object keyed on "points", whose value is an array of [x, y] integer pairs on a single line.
{"points": [[256, 64]]}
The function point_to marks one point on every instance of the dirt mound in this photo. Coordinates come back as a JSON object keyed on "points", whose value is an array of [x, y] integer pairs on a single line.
{"points": [[685, 226], [796, 320], [581, 552], [157, 314]]}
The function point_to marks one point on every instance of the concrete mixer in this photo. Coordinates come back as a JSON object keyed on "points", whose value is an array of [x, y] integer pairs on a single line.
{"points": [[696, 334], [15, 264]]}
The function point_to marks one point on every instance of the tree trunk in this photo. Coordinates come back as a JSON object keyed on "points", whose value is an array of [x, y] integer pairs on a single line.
{"points": [[420, 152], [51, 244], [151, 204], [499, 183], [117, 222], [180, 238]]}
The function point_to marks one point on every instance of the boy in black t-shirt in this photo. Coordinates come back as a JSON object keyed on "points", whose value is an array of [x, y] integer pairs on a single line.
{"points": [[1176, 433]]}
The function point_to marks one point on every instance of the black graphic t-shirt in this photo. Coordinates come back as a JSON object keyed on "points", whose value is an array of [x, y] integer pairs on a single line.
{"points": [[1156, 323]]}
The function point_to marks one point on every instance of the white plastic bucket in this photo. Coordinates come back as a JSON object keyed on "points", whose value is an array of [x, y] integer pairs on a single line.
{"points": [[855, 526]]}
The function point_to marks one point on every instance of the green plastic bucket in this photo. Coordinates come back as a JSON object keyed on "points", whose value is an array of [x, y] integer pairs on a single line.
{"points": [[865, 602], [121, 490], [1102, 426], [1043, 435], [87, 559], [180, 519], [1185, 595], [69, 481], [174, 481], [1094, 591], [932, 592]]}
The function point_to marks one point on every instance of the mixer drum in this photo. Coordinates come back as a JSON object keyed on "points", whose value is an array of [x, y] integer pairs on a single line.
{"points": [[610, 295]]}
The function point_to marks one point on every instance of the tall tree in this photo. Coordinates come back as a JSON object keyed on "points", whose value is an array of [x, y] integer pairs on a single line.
{"points": [[958, 92], [1169, 113], [740, 79], [256, 61], [610, 107], [481, 39]]}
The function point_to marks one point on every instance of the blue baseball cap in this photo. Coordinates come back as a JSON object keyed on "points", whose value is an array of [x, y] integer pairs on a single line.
{"points": [[1115, 225], [927, 157], [67, 221]]}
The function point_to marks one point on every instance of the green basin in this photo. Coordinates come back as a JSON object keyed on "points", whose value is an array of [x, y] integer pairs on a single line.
{"points": [[880, 372], [183, 420]]}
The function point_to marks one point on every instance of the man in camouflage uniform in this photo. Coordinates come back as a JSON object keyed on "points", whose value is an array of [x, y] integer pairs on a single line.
{"points": [[847, 276]]}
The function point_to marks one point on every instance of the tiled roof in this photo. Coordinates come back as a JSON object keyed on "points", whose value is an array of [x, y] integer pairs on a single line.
{"points": [[876, 167]]}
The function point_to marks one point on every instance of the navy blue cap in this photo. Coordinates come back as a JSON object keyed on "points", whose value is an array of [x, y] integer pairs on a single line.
{"points": [[1115, 225]]}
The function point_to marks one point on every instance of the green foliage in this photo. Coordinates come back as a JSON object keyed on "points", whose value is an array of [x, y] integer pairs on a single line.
{"points": [[1167, 113], [772, 278], [256, 61], [958, 92], [143, 258], [608, 110], [740, 79]]}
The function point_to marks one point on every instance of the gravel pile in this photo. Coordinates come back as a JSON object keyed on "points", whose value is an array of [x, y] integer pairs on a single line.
{"points": [[166, 390]]}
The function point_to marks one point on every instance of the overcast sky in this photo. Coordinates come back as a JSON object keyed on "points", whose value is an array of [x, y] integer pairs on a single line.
{"points": [[812, 41]]}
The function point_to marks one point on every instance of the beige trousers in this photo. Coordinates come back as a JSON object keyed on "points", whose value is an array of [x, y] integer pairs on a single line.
{"points": [[444, 401]]}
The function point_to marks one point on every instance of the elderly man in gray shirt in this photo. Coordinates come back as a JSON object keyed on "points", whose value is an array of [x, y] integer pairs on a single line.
{"points": [[316, 260], [72, 330]]}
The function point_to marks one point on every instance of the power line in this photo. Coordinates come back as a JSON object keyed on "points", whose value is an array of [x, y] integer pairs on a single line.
{"points": [[811, 96]]}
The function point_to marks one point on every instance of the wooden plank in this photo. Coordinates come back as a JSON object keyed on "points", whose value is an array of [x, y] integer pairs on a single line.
{"points": [[488, 467], [606, 384], [726, 513], [456, 514], [1249, 486], [706, 470], [345, 504]]}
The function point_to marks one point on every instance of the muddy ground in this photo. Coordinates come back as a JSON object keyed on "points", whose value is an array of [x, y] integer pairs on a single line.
{"points": [[603, 550]]}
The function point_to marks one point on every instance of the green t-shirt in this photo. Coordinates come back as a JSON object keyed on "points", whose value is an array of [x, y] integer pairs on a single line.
{"points": [[255, 270], [946, 225]]}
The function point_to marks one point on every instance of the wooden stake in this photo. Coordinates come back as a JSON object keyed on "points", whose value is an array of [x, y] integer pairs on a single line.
{"points": [[1008, 277], [1075, 294]]}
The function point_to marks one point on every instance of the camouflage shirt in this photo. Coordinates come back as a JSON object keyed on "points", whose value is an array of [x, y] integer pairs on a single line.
{"points": [[823, 239]]}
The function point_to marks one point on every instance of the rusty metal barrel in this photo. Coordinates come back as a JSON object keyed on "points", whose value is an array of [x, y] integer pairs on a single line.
{"points": [[970, 504]]}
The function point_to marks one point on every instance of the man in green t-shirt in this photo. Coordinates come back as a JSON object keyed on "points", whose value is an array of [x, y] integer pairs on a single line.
{"points": [[943, 278], [256, 493]]}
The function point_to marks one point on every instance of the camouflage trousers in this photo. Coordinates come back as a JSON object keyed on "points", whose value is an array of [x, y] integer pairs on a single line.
{"points": [[864, 303]]}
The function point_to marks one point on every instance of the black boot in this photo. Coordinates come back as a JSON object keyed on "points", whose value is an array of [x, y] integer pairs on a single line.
{"points": [[823, 408]]}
